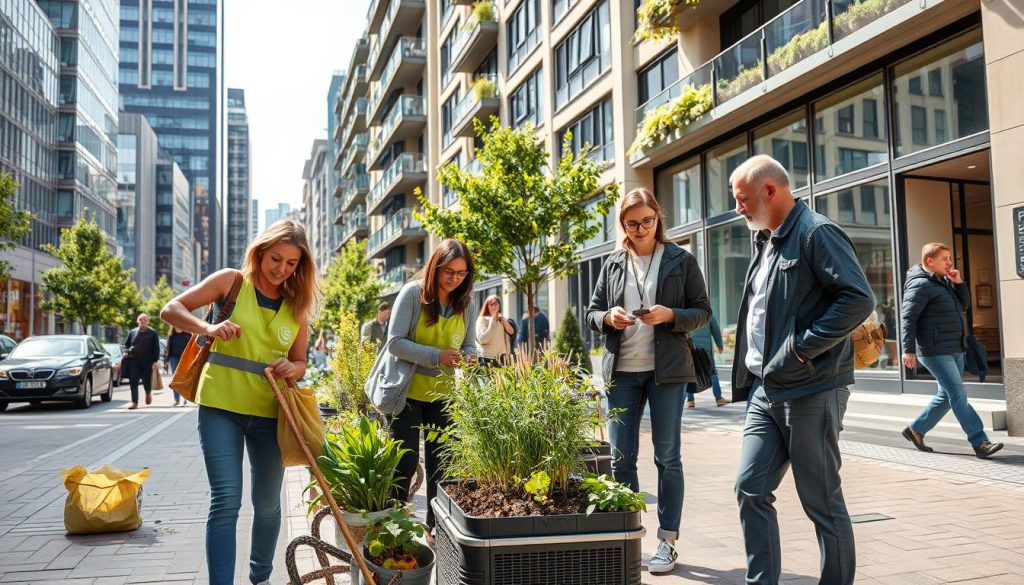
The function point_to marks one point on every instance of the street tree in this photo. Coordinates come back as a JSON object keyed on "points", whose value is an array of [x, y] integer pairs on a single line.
{"points": [[91, 285], [156, 296], [569, 341], [521, 218], [351, 288], [14, 223]]}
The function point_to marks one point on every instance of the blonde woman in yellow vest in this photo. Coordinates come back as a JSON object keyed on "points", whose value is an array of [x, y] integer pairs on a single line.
{"points": [[237, 410], [432, 327]]}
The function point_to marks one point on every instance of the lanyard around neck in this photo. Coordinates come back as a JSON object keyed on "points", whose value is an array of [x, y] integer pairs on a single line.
{"points": [[641, 284]]}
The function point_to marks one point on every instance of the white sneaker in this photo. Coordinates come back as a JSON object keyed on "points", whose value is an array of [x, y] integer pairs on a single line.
{"points": [[664, 559]]}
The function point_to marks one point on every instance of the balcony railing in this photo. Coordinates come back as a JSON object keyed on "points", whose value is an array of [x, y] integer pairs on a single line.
{"points": [[408, 47], [354, 222], [473, 29], [385, 30], [804, 29], [407, 105], [399, 222], [485, 87], [409, 162], [359, 183], [355, 150], [401, 274]]}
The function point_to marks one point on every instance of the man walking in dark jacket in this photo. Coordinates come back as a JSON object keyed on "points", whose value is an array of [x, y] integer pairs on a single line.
{"points": [[935, 303], [805, 294], [142, 350]]}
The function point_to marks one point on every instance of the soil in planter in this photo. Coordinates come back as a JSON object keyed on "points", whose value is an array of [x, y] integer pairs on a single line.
{"points": [[494, 503]]}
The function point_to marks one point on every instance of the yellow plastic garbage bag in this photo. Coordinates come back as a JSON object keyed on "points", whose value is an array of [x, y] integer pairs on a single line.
{"points": [[105, 500]]}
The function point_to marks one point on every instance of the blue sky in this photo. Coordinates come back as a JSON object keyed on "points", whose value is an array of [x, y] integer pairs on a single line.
{"points": [[283, 54]]}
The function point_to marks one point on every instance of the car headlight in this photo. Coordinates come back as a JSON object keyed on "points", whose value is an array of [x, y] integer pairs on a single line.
{"points": [[70, 371]]}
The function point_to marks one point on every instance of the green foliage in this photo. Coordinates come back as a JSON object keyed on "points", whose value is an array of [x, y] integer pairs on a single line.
{"points": [[91, 286], [539, 486], [511, 421], [569, 342], [14, 223], [657, 20], [604, 494], [660, 122], [359, 463], [484, 88], [394, 535], [350, 365], [157, 296], [521, 220], [351, 286], [483, 11]]}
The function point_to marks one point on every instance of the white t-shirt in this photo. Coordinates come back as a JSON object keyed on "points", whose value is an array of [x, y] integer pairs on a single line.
{"points": [[754, 359], [636, 350]]}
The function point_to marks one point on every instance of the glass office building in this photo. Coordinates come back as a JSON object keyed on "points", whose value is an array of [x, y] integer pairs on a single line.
{"points": [[239, 203], [171, 71]]}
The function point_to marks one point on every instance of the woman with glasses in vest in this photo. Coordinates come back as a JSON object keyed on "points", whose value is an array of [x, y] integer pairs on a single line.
{"points": [[237, 409]]}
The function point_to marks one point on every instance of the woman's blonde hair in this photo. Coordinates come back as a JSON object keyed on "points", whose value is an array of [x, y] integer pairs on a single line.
{"points": [[301, 289], [636, 198]]}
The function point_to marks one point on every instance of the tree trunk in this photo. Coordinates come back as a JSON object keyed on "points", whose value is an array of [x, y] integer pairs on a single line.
{"points": [[531, 336]]}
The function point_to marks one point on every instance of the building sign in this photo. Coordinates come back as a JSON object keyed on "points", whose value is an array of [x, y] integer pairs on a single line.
{"points": [[1018, 239]]}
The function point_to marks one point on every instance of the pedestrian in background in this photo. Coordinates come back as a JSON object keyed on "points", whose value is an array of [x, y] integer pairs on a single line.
{"points": [[648, 296], [376, 329], [492, 333], [805, 280], [141, 350], [934, 315], [541, 329], [177, 341], [704, 338], [237, 408]]}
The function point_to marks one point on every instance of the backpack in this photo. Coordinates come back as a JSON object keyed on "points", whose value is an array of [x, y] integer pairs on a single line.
{"points": [[868, 342]]}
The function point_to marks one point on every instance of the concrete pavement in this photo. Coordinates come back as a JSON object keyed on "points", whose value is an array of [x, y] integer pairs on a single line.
{"points": [[928, 518]]}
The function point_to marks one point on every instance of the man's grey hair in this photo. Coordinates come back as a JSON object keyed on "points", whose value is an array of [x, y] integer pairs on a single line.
{"points": [[758, 170]]}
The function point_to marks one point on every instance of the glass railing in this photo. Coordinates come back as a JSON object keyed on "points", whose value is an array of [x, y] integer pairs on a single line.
{"points": [[409, 162], [400, 274], [354, 185], [399, 222], [385, 29], [469, 29], [407, 105], [484, 87], [801, 31], [475, 167], [356, 149], [354, 221], [407, 47]]}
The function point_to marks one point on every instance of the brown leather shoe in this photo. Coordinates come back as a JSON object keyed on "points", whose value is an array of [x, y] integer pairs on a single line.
{"points": [[149, 398], [984, 450], [917, 439], [133, 406], [722, 402]]}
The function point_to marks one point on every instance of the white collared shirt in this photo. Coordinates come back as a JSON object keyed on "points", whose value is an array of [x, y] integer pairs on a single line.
{"points": [[754, 360]]}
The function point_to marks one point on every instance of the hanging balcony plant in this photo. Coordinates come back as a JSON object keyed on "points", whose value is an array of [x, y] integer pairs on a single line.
{"points": [[662, 121], [659, 19]]}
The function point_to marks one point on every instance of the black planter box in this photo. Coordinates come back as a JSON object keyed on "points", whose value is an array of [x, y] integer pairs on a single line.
{"points": [[568, 549], [598, 459]]}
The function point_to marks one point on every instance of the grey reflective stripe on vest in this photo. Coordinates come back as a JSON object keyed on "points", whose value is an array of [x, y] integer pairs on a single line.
{"points": [[431, 372], [237, 363]]}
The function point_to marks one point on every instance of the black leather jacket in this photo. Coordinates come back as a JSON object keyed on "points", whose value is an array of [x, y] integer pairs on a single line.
{"points": [[934, 314], [680, 287], [817, 296]]}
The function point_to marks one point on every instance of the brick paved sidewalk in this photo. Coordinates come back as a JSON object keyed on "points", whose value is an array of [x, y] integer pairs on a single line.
{"points": [[952, 518]]}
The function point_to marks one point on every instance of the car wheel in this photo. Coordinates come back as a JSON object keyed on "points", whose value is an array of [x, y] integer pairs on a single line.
{"points": [[35, 402], [3, 406], [109, 394], [86, 400]]}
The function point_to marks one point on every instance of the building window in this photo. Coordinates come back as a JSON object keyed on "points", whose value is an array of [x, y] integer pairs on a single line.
{"points": [[963, 110], [721, 162], [593, 131], [448, 113], [841, 150], [914, 86], [583, 56], [523, 33], [447, 47], [870, 115], [561, 7], [786, 141], [658, 75], [524, 104], [728, 248], [678, 190]]}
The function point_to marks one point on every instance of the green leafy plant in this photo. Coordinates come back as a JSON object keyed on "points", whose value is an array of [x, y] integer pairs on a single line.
{"points": [[539, 486], [604, 494], [350, 364], [660, 122], [569, 342], [484, 88], [391, 541], [14, 223], [157, 296], [359, 463], [514, 420], [659, 19], [351, 287], [482, 12]]}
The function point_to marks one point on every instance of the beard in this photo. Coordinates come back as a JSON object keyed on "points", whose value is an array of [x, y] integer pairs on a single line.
{"points": [[759, 220]]}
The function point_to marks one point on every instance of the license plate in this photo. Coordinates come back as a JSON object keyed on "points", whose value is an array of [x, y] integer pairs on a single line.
{"points": [[31, 385]]}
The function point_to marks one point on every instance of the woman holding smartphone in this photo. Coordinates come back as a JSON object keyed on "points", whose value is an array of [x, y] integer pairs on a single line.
{"points": [[649, 295]]}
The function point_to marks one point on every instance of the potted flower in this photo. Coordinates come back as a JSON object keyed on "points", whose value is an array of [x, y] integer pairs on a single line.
{"points": [[391, 546], [359, 462], [520, 500]]}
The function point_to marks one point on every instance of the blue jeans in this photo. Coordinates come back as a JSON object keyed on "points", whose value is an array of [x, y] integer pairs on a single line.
{"points": [[949, 373], [716, 388], [802, 434], [222, 436], [173, 362], [628, 394]]}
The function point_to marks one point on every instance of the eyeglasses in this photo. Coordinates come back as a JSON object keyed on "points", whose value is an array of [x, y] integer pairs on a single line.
{"points": [[449, 273], [647, 223]]}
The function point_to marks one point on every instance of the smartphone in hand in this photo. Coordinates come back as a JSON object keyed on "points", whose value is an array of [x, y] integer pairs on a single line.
{"points": [[641, 312]]}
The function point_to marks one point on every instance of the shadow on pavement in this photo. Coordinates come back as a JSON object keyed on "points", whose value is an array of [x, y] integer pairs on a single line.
{"points": [[697, 574]]}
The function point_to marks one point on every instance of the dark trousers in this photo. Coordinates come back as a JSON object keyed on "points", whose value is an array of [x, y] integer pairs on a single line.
{"points": [[406, 427], [802, 434], [140, 371]]}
